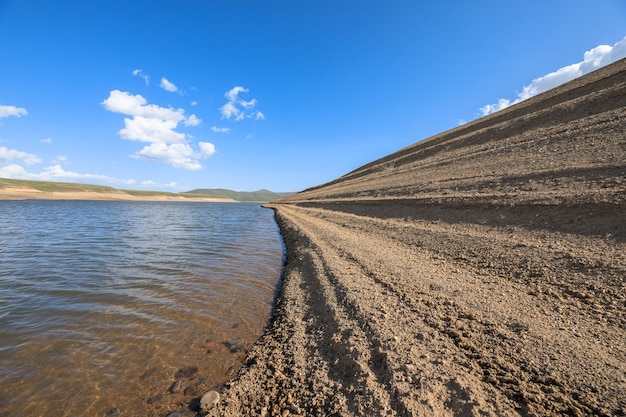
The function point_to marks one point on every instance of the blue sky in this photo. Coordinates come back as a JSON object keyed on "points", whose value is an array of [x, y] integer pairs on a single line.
{"points": [[284, 95]]}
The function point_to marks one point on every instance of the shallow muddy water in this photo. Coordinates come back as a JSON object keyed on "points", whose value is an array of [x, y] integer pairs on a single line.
{"points": [[101, 303]]}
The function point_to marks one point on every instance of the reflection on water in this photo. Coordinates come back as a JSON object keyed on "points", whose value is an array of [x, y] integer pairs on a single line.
{"points": [[102, 302]]}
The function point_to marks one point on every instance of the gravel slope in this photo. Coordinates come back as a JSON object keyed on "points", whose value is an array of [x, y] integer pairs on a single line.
{"points": [[480, 272]]}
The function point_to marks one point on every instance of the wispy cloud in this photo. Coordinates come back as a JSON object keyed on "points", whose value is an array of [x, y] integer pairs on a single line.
{"points": [[8, 111], [238, 109], [8, 155], [220, 129], [13, 162], [46, 140], [157, 125], [168, 86], [139, 73], [153, 184], [593, 59], [57, 173]]}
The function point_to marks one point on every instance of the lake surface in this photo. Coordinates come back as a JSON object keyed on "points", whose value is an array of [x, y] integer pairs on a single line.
{"points": [[102, 303]]}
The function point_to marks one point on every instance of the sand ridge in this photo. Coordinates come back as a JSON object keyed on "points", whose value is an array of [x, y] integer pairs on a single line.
{"points": [[480, 272]]}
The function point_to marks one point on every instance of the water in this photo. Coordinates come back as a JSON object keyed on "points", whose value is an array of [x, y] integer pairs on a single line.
{"points": [[102, 302]]}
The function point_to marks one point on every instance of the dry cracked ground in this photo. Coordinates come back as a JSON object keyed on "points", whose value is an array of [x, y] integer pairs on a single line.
{"points": [[480, 272]]}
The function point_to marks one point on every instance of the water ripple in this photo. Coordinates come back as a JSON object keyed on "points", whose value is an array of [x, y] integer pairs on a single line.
{"points": [[92, 294]]}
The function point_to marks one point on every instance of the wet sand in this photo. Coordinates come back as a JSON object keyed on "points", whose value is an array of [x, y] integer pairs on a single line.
{"points": [[479, 272]]}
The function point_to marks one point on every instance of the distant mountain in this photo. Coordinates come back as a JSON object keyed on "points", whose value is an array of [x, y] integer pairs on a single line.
{"points": [[256, 196]]}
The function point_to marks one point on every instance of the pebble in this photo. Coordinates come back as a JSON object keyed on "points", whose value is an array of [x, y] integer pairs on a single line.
{"points": [[178, 386], [154, 399], [114, 412], [209, 400], [182, 414], [186, 372], [235, 345]]}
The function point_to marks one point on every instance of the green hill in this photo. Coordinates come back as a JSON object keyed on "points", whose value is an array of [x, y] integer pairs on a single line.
{"points": [[68, 187], [256, 196]]}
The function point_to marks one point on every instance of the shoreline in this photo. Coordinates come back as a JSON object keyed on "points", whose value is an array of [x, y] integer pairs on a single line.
{"points": [[22, 194]]}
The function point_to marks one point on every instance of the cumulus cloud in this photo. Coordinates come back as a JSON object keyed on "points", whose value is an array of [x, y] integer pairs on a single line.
{"points": [[135, 105], [167, 85], [179, 155], [220, 129], [207, 149], [139, 73], [156, 125], [192, 121], [238, 109], [8, 111], [593, 59], [8, 155]]}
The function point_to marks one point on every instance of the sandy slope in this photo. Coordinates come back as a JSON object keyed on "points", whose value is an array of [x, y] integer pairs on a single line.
{"points": [[480, 272], [25, 193]]}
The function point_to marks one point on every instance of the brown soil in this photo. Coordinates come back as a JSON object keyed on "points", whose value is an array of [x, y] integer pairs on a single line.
{"points": [[480, 272]]}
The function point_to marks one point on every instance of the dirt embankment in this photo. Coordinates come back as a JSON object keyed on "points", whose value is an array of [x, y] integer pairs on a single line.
{"points": [[479, 272]]}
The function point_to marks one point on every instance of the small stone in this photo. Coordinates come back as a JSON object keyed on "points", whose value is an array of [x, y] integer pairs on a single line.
{"points": [[209, 400], [114, 412], [182, 414], [178, 386], [148, 373], [235, 345], [186, 372], [209, 345], [409, 368], [154, 399]]}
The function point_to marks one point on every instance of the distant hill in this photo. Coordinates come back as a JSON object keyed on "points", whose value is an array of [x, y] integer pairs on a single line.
{"points": [[256, 196], [27, 189]]}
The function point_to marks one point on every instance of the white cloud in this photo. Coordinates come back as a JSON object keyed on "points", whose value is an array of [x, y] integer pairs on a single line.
{"points": [[239, 109], [136, 105], [229, 110], [502, 103], [153, 184], [220, 129], [57, 173], [9, 155], [207, 149], [232, 94], [167, 85], [593, 59], [192, 121], [248, 104], [179, 155], [151, 129], [46, 140], [7, 111], [157, 126], [139, 73]]}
